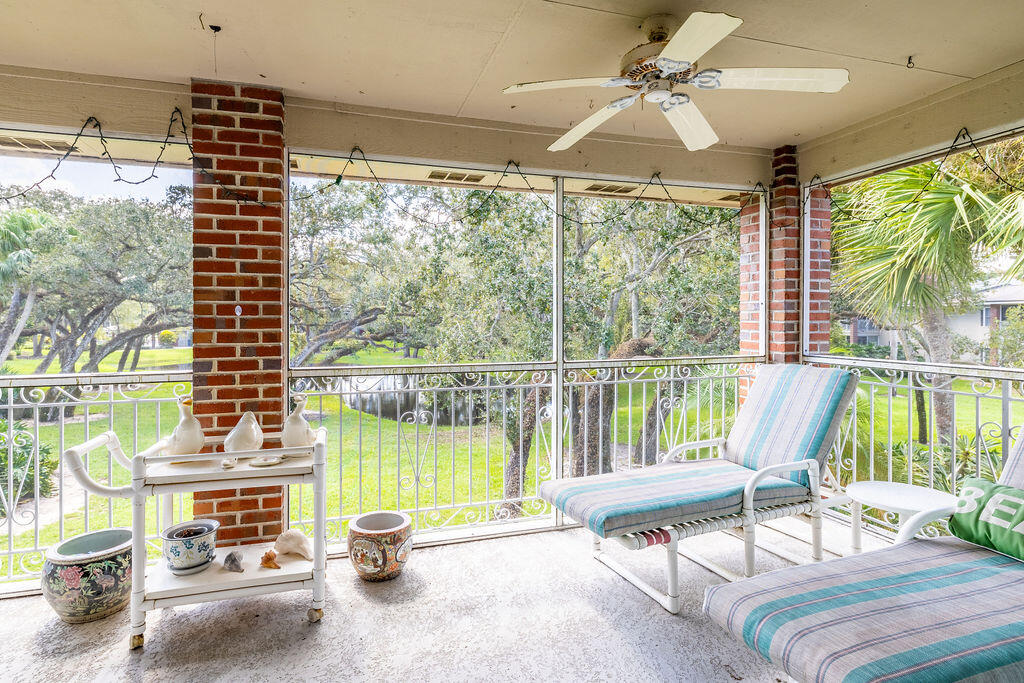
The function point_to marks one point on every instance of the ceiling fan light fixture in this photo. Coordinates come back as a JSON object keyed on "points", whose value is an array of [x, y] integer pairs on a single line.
{"points": [[658, 95]]}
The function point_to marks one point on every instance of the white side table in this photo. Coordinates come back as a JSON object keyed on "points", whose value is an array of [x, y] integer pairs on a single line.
{"points": [[892, 496]]}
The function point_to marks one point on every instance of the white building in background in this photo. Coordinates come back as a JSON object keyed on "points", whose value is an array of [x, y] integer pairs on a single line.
{"points": [[996, 300]]}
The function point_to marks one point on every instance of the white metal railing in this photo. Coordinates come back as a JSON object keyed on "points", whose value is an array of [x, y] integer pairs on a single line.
{"points": [[925, 424], [463, 448], [40, 501], [458, 447]]}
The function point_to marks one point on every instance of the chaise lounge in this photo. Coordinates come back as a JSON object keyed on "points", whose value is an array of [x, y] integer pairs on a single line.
{"points": [[768, 467], [936, 609]]}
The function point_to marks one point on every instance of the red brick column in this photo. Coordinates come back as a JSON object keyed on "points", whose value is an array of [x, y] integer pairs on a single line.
{"points": [[819, 270], [751, 306], [784, 259], [783, 277], [238, 283]]}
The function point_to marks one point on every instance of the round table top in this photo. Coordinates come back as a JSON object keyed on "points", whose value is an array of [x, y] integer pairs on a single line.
{"points": [[898, 497]]}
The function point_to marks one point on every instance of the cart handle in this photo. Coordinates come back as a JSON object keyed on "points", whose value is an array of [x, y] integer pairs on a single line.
{"points": [[73, 459]]}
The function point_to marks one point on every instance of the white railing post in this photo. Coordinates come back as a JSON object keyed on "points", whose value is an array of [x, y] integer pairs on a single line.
{"points": [[557, 334], [1005, 422]]}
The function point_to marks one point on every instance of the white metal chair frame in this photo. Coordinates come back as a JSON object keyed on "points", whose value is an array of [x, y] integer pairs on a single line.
{"points": [[746, 520]]}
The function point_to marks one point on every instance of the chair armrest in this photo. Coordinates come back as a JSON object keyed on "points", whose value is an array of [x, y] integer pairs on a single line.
{"points": [[920, 520], [689, 446], [810, 465]]}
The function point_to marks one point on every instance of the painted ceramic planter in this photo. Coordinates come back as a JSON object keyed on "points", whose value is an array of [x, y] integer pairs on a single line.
{"points": [[89, 576], [190, 547], [379, 544]]}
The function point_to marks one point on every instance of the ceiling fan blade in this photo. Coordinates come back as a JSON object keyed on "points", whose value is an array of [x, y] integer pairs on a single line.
{"points": [[577, 132], [607, 81], [701, 32], [800, 80], [690, 125]]}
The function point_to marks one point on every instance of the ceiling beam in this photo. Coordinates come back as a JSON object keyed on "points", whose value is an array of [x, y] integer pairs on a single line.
{"points": [[990, 106], [60, 102], [322, 127]]}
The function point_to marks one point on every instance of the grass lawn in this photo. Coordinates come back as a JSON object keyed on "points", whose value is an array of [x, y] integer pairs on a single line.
{"points": [[158, 358], [148, 359]]}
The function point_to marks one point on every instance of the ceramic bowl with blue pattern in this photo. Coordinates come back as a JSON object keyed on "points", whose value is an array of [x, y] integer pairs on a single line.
{"points": [[190, 546]]}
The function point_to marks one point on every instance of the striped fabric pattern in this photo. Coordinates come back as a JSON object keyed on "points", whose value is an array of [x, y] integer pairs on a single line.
{"points": [[791, 413], [926, 610], [1013, 469], [622, 502]]}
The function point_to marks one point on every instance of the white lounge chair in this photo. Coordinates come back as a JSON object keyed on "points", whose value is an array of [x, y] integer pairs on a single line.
{"points": [[768, 467]]}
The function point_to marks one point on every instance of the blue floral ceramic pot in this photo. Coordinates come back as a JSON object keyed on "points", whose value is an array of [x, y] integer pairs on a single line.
{"points": [[190, 546], [89, 576]]}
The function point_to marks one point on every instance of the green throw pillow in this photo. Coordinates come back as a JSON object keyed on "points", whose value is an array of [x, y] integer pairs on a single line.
{"points": [[991, 515]]}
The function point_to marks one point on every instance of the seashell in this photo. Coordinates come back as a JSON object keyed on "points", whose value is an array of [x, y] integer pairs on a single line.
{"points": [[244, 436], [296, 431], [233, 561], [268, 560], [187, 436], [295, 542]]}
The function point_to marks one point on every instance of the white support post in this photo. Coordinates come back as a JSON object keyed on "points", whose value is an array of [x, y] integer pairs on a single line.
{"points": [[672, 575], [138, 614], [319, 526], [813, 475], [557, 338], [856, 544], [168, 512], [749, 541]]}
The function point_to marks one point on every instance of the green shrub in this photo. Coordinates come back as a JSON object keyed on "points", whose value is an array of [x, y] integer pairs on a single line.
{"points": [[168, 339], [24, 464]]}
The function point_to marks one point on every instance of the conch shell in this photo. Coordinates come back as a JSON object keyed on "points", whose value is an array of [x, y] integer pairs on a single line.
{"points": [[295, 542]]}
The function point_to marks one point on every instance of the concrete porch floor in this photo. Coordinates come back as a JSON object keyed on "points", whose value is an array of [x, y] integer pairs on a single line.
{"points": [[531, 607]]}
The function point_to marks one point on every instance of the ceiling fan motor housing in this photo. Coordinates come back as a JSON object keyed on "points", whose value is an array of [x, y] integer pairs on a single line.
{"points": [[641, 60]]}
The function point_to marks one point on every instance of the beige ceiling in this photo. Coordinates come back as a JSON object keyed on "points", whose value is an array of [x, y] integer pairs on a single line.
{"points": [[453, 57]]}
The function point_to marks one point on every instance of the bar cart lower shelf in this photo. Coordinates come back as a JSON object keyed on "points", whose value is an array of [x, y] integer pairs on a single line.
{"points": [[154, 586]]}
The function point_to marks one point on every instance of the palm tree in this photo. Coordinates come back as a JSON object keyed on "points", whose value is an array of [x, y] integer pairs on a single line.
{"points": [[16, 229], [907, 245]]}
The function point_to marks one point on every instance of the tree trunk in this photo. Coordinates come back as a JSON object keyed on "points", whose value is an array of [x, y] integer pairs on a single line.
{"points": [[519, 448], [645, 451], [634, 311], [19, 325], [940, 347], [138, 352], [37, 346], [609, 322], [592, 447], [922, 414]]}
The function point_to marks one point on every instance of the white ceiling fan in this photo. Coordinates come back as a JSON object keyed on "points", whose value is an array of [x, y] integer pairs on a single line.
{"points": [[656, 67]]}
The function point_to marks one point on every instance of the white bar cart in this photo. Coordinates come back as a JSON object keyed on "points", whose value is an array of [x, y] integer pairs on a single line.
{"points": [[155, 475]]}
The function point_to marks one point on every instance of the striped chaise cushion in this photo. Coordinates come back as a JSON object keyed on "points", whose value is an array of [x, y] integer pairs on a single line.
{"points": [[670, 493], [926, 610], [791, 413], [1013, 468]]}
